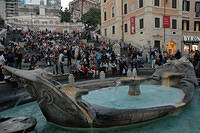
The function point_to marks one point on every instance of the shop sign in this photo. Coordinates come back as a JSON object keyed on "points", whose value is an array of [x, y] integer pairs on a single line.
{"points": [[191, 38], [132, 25], [166, 21]]}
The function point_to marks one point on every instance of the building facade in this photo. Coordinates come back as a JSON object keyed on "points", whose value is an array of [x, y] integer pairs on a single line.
{"points": [[41, 21], [79, 7], [191, 25], [31, 7], [2, 9], [146, 23], [11, 8]]}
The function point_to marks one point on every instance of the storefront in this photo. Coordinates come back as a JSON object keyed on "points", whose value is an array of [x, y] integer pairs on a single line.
{"points": [[191, 43]]}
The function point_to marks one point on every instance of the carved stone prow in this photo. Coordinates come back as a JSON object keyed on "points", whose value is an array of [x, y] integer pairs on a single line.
{"points": [[59, 105]]}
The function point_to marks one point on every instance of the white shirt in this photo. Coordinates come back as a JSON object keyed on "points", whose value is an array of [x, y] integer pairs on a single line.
{"points": [[60, 58], [2, 60]]}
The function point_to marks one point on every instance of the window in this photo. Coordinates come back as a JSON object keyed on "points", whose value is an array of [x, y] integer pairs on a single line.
{"points": [[185, 25], [197, 26], [186, 5], [174, 3], [105, 17], [156, 2], [140, 3], [157, 44], [157, 22], [105, 32], [125, 8], [141, 23], [197, 9], [113, 11], [132, 6], [174, 24], [125, 28], [113, 29]]}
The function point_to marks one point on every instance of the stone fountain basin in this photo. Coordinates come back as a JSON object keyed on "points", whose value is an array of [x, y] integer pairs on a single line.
{"points": [[63, 105], [111, 117]]}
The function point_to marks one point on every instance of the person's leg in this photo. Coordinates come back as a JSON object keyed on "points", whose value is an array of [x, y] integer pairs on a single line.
{"points": [[62, 68], [20, 65], [70, 61], [54, 69], [59, 68]]}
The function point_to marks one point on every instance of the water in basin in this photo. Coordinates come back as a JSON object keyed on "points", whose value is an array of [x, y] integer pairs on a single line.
{"points": [[151, 96], [184, 121]]}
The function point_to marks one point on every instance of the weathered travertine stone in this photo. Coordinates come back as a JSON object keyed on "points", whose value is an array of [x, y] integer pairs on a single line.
{"points": [[71, 79], [17, 125], [183, 66], [102, 75]]}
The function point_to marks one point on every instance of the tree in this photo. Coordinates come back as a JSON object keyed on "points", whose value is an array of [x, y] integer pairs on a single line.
{"points": [[92, 17], [65, 15]]}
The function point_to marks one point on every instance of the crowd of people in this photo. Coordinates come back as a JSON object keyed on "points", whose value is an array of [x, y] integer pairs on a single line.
{"points": [[56, 49]]}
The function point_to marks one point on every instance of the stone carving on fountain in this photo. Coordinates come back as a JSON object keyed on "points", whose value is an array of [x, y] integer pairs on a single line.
{"points": [[179, 74], [176, 67], [64, 106], [56, 106]]}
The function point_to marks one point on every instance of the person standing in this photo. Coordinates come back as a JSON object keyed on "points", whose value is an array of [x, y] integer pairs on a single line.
{"points": [[55, 61], [2, 61], [153, 59], [10, 59], [61, 60], [178, 54], [69, 56], [19, 58]]}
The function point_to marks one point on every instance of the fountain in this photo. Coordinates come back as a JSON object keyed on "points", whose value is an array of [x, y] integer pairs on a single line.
{"points": [[70, 105], [133, 83]]}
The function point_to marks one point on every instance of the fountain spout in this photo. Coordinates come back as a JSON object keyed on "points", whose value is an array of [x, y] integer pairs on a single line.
{"points": [[133, 83]]}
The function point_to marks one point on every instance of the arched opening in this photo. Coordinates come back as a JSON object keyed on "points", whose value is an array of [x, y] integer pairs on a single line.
{"points": [[171, 47]]}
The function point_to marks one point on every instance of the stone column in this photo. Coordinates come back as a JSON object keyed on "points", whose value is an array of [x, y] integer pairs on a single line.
{"points": [[102, 75]]}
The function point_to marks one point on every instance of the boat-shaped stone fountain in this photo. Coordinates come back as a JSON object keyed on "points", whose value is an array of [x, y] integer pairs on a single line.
{"points": [[73, 105]]}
